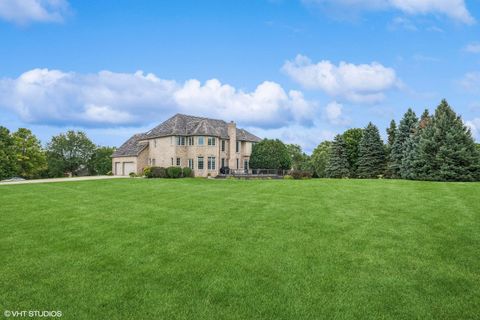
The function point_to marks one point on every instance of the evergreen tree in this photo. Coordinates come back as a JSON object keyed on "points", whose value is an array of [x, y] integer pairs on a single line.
{"points": [[320, 158], [8, 164], [352, 138], [338, 166], [446, 149], [372, 161], [407, 126], [391, 133], [409, 169]]}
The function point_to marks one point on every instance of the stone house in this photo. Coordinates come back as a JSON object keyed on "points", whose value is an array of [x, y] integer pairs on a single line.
{"points": [[205, 145]]}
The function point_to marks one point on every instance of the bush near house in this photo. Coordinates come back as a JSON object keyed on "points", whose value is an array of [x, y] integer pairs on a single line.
{"points": [[187, 172], [174, 172], [300, 174], [157, 172]]}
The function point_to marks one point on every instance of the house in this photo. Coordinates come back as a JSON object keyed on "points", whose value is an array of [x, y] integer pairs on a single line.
{"points": [[205, 145]]}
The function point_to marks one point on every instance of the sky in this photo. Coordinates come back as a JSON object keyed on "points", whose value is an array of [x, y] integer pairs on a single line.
{"points": [[299, 70]]}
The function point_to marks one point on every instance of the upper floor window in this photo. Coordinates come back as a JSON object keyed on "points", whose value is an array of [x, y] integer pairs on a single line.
{"points": [[238, 146], [211, 141], [201, 141], [190, 141], [223, 145], [180, 141]]}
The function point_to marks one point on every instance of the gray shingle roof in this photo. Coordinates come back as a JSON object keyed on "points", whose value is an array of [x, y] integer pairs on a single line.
{"points": [[181, 125], [132, 147], [186, 125]]}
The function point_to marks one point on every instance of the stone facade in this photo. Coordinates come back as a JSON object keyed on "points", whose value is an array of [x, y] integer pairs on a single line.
{"points": [[204, 153]]}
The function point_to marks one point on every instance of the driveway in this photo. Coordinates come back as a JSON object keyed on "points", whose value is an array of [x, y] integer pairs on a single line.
{"points": [[63, 179]]}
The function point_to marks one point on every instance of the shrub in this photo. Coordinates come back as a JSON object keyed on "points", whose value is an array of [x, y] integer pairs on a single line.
{"points": [[158, 172], [132, 174], [174, 172], [299, 174], [187, 172], [287, 177], [147, 172]]}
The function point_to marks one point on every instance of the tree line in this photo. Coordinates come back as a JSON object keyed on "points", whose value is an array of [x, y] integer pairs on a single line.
{"points": [[436, 147], [70, 153]]}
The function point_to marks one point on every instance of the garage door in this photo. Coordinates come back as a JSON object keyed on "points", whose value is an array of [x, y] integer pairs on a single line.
{"points": [[128, 167], [118, 168]]}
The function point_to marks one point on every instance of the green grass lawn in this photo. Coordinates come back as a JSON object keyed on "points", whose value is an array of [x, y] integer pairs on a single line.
{"points": [[203, 249]]}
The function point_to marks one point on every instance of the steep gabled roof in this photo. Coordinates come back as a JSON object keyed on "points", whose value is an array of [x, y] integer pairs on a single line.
{"points": [[132, 147], [186, 125]]}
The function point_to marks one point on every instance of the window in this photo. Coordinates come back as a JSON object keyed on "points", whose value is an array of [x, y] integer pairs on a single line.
{"points": [[245, 164], [223, 145], [172, 161], [190, 141], [238, 146], [190, 163], [153, 162], [211, 141], [180, 141], [211, 163], [223, 162], [155, 142], [237, 163], [179, 162], [201, 141], [200, 163]]}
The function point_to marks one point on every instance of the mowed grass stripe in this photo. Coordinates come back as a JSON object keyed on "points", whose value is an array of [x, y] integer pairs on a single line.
{"points": [[202, 249]]}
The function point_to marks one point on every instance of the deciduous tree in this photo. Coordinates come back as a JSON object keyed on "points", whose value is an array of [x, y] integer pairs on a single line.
{"points": [[30, 157], [270, 154], [320, 158]]}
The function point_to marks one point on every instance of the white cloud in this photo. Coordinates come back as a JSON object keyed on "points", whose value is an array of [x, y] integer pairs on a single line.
{"points": [[472, 48], [454, 9], [25, 11], [364, 83], [471, 82], [334, 113], [108, 99]]}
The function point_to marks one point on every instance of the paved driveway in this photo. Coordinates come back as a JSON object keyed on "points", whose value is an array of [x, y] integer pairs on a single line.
{"points": [[63, 179]]}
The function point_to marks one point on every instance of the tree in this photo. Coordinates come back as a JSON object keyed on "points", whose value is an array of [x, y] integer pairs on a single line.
{"points": [[68, 153], [300, 160], [391, 132], [352, 138], [270, 154], [320, 158], [30, 157], [8, 165], [392, 129], [101, 161], [408, 168], [372, 160], [407, 126], [337, 166], [446, 150]]}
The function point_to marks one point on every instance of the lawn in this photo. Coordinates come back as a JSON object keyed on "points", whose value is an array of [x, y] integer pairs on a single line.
{"points": [[204, 249]]}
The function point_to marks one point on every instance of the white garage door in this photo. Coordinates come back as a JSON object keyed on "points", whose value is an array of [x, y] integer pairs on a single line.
{"points": [[118, 168], [128, 167]]}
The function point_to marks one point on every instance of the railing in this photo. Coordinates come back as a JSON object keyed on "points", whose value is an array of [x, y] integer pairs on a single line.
{"points": [[255, 172]]}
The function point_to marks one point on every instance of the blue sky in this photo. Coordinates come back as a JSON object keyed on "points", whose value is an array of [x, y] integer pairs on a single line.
{"points": [[299, 70]]}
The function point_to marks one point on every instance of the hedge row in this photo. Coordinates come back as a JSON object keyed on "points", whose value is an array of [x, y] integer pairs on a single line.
{"points": [[170, 172]]}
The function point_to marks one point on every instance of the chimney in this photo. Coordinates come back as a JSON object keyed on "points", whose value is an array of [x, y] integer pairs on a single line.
{"points": [[232, 145]]}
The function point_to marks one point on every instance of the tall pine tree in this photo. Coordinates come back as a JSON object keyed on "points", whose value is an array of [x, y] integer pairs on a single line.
{"points": [[408, 168], [407, 126], [446, 150], [372, 158], [391, 131], [338, 166]]}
